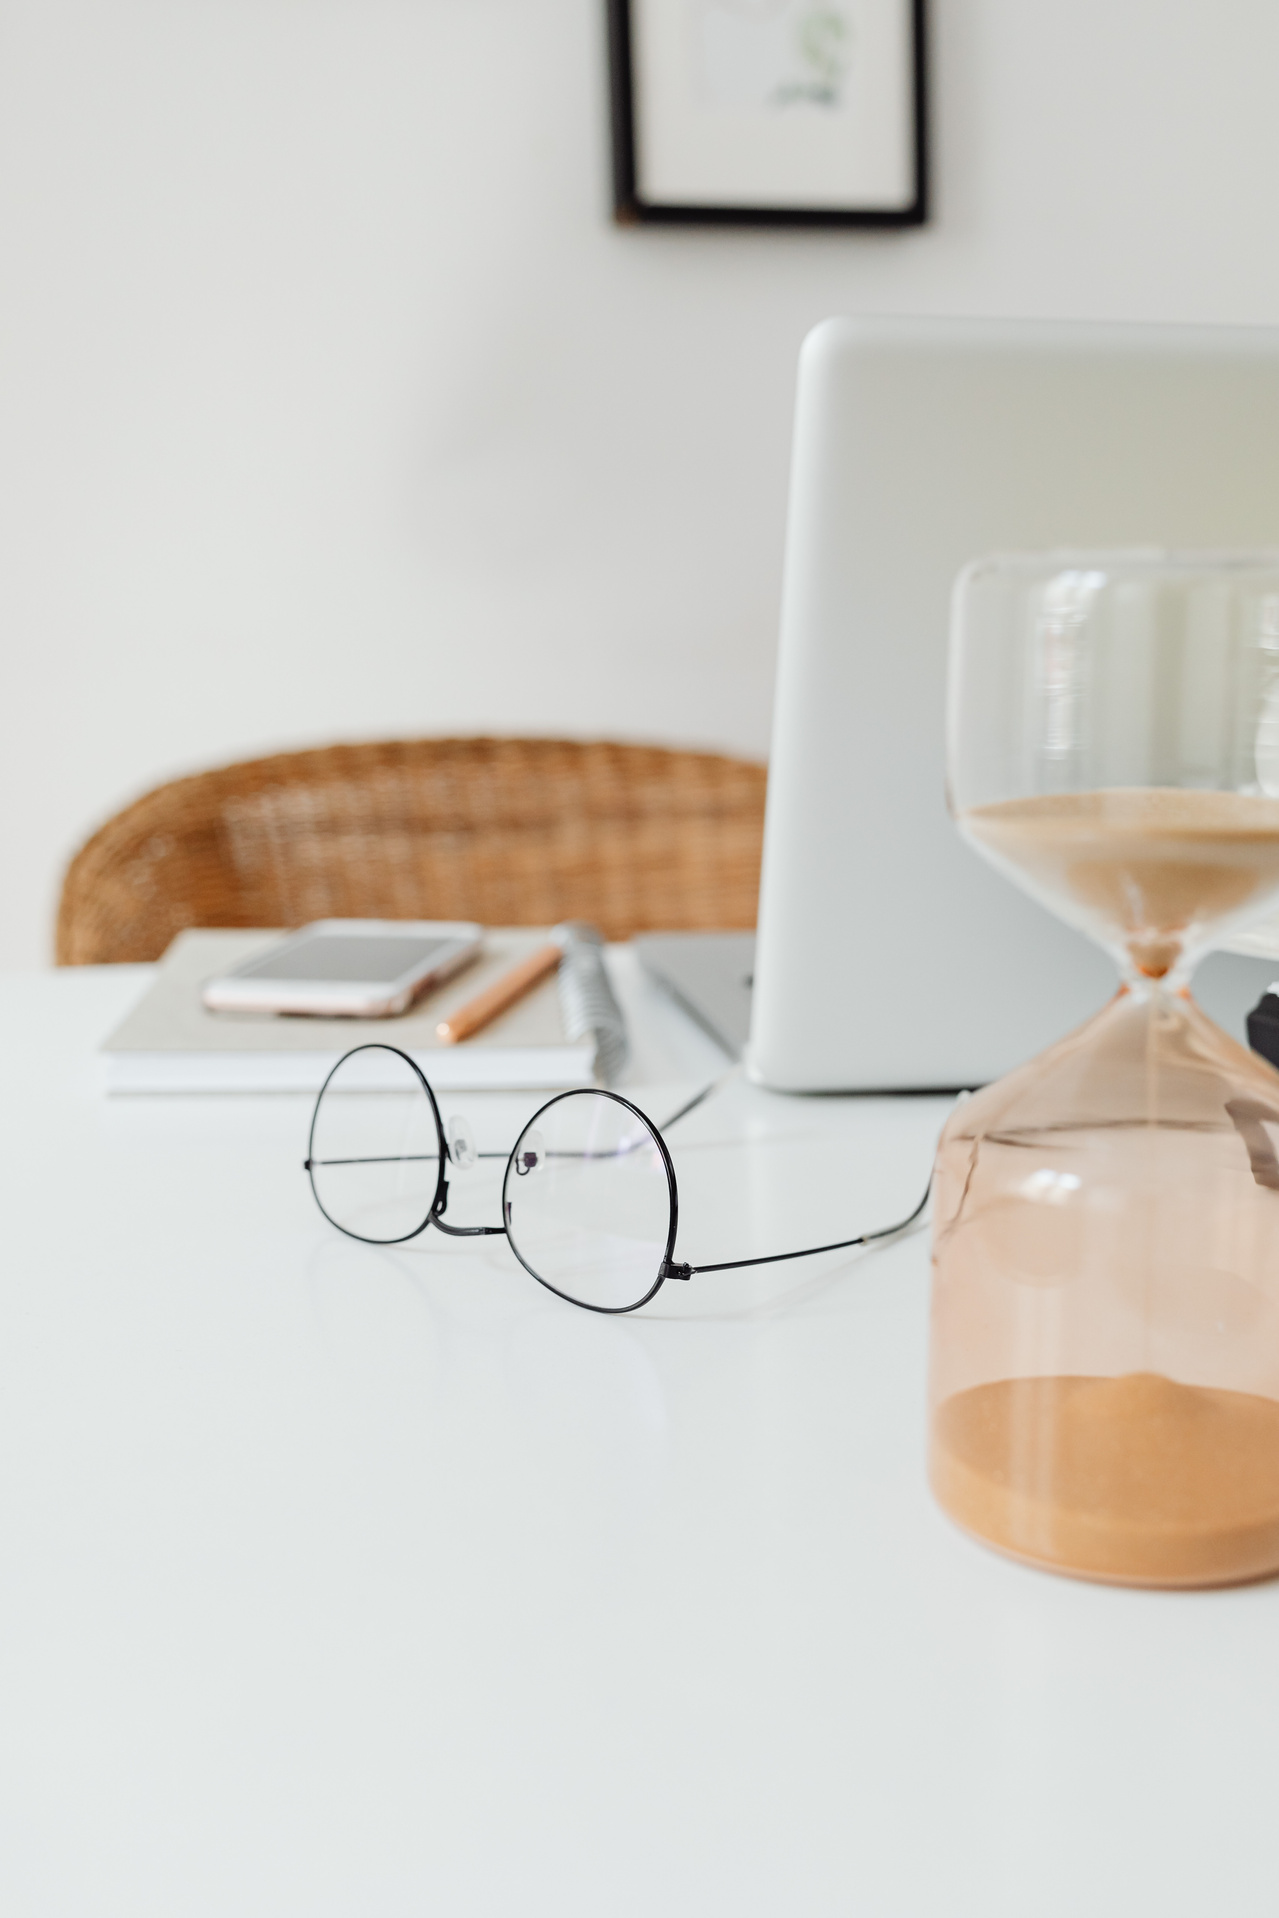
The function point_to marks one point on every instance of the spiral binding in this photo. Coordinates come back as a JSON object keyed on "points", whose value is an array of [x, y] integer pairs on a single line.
{"points": [[587, 1003]]}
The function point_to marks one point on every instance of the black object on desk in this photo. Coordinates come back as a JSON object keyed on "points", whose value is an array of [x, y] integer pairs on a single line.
{"points": [[1263, 1027]]}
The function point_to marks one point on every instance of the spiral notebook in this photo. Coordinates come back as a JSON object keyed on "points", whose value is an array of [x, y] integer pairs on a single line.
{"points": [[171, 1043]]}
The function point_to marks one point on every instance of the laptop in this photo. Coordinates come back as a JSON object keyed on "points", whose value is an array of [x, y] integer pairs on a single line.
{"points": [[889, 955]]}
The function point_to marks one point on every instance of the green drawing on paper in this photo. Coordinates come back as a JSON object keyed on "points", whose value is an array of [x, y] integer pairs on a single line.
{"points": [[823, 41], [773, 53]]}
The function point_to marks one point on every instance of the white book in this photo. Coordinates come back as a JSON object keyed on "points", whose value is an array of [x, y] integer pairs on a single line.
{"points": [[171, 1043]]}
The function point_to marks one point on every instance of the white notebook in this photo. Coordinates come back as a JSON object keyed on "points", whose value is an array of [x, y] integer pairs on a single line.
{"points": [[170, 1043]]}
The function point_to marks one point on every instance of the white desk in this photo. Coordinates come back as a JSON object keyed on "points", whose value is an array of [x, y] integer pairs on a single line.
{"points": [[345, 1582]]}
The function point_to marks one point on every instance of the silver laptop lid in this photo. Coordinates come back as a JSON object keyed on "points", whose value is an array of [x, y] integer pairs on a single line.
{"points": [[889, 956]]}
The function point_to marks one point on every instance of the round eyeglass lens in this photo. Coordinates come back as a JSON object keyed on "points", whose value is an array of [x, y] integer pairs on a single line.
{"points": [[589, 1203], [375, 1147]]}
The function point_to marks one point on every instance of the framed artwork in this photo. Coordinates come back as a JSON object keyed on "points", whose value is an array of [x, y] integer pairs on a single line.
{"points": [[768, 112]]}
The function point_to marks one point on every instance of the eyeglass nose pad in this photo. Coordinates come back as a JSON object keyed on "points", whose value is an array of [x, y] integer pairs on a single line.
{"points": [[462, 1150], [531, 1154]]}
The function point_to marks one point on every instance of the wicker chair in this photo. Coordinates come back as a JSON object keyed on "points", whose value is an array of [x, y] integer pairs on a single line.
{"points": [[506, 831]]}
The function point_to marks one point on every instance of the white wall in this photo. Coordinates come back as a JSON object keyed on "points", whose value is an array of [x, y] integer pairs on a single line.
{"points": [[331, 404]]}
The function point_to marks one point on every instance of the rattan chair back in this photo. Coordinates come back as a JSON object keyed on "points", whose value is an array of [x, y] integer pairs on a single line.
{"points": [[505, 831]]}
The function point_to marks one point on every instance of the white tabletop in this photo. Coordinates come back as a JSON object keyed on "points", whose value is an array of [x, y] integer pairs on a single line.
{"points": [[336, 1581]]}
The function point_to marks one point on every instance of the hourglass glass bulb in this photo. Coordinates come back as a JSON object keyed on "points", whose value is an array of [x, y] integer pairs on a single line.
{"points": [[1105, 1331]]}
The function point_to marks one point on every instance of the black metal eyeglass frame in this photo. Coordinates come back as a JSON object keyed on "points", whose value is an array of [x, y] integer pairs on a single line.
{"points": [[670, 1267]]}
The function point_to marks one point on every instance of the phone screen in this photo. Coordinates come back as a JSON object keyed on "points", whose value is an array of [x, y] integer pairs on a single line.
{"points": [[342, 957]]}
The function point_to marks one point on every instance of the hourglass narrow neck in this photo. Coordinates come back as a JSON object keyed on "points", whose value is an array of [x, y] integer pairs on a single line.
{"points": [[1143, 984]]}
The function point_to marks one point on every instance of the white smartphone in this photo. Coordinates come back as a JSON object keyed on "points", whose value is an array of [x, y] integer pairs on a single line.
{"points": [[348, 968]]}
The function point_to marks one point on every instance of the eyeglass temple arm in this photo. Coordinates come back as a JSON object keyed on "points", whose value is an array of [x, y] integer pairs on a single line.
{"points": [[690, 1106], [672, 1269], [693, 1103]]}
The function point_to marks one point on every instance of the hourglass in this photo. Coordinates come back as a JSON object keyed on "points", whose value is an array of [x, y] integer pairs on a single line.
{"points": [[1104, 1393]]}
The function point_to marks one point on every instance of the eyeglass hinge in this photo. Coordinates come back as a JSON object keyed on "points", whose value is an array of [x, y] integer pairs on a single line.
{"points": [[673, 1269]]}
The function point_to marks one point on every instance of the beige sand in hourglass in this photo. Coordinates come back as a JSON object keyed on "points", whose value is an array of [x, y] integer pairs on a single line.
{"points": [[1105, 1324]]}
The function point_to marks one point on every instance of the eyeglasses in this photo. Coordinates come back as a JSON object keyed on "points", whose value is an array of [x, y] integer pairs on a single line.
{"points": [[590, 1204]]}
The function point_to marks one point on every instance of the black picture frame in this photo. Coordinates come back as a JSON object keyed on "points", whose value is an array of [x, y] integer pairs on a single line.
{"points": [[631, 209]]}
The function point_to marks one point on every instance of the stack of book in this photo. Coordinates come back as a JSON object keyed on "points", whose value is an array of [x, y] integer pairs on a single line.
{"points": [[171, 1043]]}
